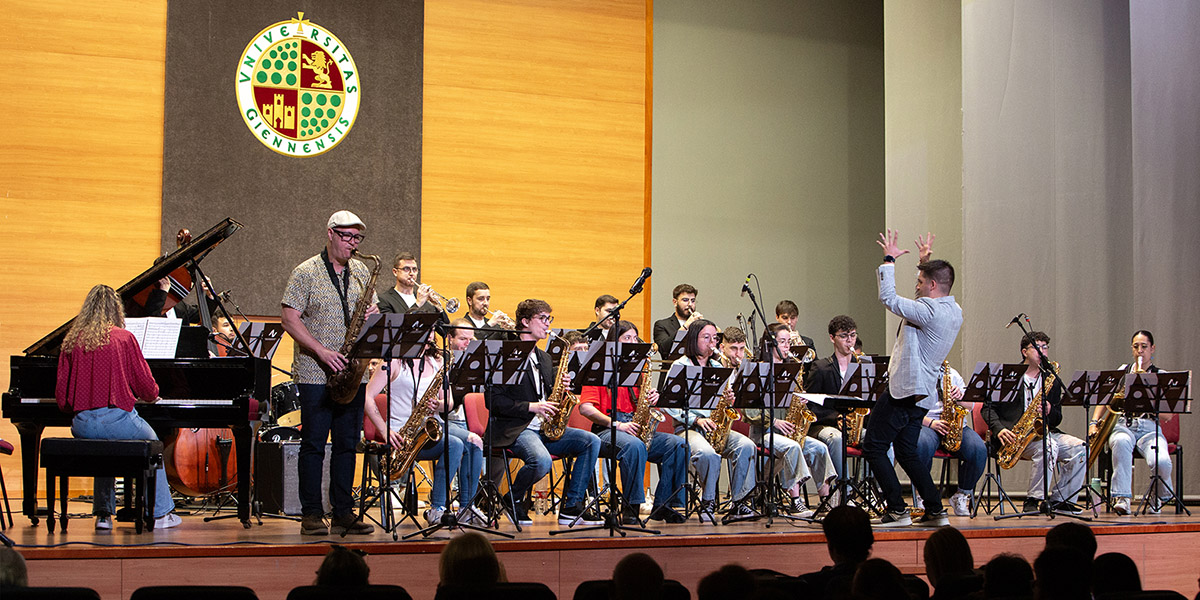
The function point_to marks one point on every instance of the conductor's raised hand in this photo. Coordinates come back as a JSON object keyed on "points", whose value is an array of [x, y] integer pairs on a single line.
{"points": [[890, 242], [924, 247]]}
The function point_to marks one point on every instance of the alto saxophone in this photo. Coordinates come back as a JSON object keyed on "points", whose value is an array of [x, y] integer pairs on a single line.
{"points": [[644, 415], [554, 427], [953, 413], [723, 415], [1028, 427], [798, 413], [343, 385], [1112, 416], [421, 427], [853, 421]]}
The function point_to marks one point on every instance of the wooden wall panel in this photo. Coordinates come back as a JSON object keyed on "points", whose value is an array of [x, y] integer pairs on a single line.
{"points": [[535, 150]]}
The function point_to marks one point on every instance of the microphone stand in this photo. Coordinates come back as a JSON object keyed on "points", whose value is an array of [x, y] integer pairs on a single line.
{"points": [[612, 520]]}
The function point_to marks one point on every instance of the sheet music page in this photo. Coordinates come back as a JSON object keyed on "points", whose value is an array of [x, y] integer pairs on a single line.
{"points": [[137, 326], [161, 337]]}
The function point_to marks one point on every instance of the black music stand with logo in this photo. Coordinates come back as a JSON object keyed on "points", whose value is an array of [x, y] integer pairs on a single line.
{"points": [[398, 336], [867, 381], [612, 365], [1088, 389], [1162, 392], [686, 388], [766, 386], [486, 363], [992, 383]]}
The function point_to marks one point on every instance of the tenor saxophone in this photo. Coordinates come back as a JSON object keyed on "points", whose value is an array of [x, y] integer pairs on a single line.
{"points": [[853, 421], [343, 385], [1112, 416], [1028, 427], [723, 415], [953, 413], [554, 427], [421, 427], [798, 413], [644, 415]]}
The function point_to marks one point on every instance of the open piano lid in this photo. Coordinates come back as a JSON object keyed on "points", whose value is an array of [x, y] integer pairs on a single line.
{"points": [[196, 250]]}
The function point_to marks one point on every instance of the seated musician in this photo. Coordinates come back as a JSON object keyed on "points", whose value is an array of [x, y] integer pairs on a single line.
{"points": [[1066, 451], [223, 333], [666, 450], [478, 299], [604, 304], [971, 453], [517, 415], [1136, 431], [101, 373], [459, 336], [695, 425], [788, 313], [790, 465], [683, 298], [407, 295], [410, 385]]}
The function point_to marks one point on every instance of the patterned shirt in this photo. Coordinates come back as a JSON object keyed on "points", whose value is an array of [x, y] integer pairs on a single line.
{"points": [[310, 291]]}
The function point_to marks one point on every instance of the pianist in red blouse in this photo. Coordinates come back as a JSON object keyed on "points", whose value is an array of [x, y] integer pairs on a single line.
{"points": [[101, 372]]}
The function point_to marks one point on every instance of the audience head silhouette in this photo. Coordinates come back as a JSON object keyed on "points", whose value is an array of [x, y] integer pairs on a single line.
{"points": [[1062, 573], [637, 577], [343, 567], [469, 559], [1115, 573], [1073, 535], [947, 554], [878, 579], [1007, 576], [12, 568], [730, 582], [848, 534]]}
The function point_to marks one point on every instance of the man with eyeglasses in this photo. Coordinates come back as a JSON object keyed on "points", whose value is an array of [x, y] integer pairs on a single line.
{"points": [[407, 295], [317, 305], [517, 414], [825, 376], [1066, 452]]}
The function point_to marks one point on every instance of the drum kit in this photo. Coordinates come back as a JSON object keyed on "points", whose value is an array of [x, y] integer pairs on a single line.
{"points": [[282, 423]]}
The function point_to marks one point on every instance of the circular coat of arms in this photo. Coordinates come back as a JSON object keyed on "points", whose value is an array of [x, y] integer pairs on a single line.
{"points": [[297, 88]]}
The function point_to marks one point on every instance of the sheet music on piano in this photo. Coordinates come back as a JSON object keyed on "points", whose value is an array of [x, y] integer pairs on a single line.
{"points": [[156, 336]]}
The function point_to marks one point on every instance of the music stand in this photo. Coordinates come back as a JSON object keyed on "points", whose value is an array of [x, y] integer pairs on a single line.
{"points": [[992, 383], [1087, 389], [843, 405], [1161, 392], [399, 336], [688, 387], [867, 381], [612, 365], [486, 363], [766, 386]]}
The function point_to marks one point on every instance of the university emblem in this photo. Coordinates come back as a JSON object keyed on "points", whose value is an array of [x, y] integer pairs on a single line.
{"points": [[297, 88]]}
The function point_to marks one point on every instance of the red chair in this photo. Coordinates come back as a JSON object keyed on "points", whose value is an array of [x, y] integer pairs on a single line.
{"points": [[1170, 431], [7, 448], [477, 413]]}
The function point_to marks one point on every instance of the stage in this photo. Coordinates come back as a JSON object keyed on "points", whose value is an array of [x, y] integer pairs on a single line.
{"points": [[273, 558]]}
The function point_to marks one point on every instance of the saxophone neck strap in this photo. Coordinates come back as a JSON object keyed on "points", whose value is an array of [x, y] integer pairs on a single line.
{"points": [[342, 290]]}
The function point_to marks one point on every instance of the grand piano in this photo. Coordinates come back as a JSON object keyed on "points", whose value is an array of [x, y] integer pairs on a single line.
{"points": [[196, 392]]}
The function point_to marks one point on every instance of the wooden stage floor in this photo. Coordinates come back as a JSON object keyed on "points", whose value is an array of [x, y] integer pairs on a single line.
{"points": [[273, 558]]}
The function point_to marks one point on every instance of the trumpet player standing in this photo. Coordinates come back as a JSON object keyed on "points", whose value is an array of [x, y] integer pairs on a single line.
{"points": [[479, 298], [1136, 431], [407, 295]]}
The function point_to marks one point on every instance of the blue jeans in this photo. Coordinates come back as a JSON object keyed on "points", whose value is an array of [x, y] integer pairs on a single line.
{"points": [[118, 424], [535, 450], [898, 422], [666, 450], [972, 456], [442, 475], [472, 464], [738, 449], [832, 438], [1142, 434], [322, 416]]}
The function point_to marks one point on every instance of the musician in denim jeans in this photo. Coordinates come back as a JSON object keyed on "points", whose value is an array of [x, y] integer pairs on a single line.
{"points": [[929, 325]]}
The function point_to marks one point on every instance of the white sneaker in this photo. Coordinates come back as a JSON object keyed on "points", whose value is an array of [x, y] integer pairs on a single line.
{"points": [[1121, 506], [800, 509], [103, 522], [960, 503], [918, 503], [472, 516], [167, 521], [433, 516], [708, 509]]}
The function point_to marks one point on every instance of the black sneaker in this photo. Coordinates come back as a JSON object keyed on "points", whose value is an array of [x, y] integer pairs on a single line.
{"points": [[739, 510], [1067, 507], [708, 508], [933, 519], [666, 514], [630, 516], [898, 518], [1032, 505], [575, 515], [519, 511]]}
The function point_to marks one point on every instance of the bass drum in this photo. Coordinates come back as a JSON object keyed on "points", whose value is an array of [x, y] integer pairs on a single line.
{"points": [[279, 434], [285, 404]]}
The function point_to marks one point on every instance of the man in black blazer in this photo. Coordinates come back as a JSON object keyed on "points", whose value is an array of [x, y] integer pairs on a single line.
{"points": [[479, 297], [683, 298], [406, 295], [1066, 451], [517, 413], [825, 377], [788, 313]]}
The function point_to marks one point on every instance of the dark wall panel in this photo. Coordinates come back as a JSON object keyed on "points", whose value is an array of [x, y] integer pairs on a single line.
{"points": [[214, 167]]}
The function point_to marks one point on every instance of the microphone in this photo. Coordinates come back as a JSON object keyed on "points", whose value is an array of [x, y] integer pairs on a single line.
{"points": [[637, 285], [224, 296], [746, 285], [1015, 320]]}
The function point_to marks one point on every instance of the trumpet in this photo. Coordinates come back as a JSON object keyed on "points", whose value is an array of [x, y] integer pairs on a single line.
{"points": [[796, 341], [450, 306], [503, 321]]}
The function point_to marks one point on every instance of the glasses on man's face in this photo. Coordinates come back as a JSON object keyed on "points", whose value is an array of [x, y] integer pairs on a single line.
{"points": [[847, 335], [547, 319], [1043, 347], [408, 269], [350, 237]]}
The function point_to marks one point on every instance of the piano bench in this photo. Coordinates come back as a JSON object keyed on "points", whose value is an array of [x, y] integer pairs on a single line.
{"points": [[138, 460]]}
